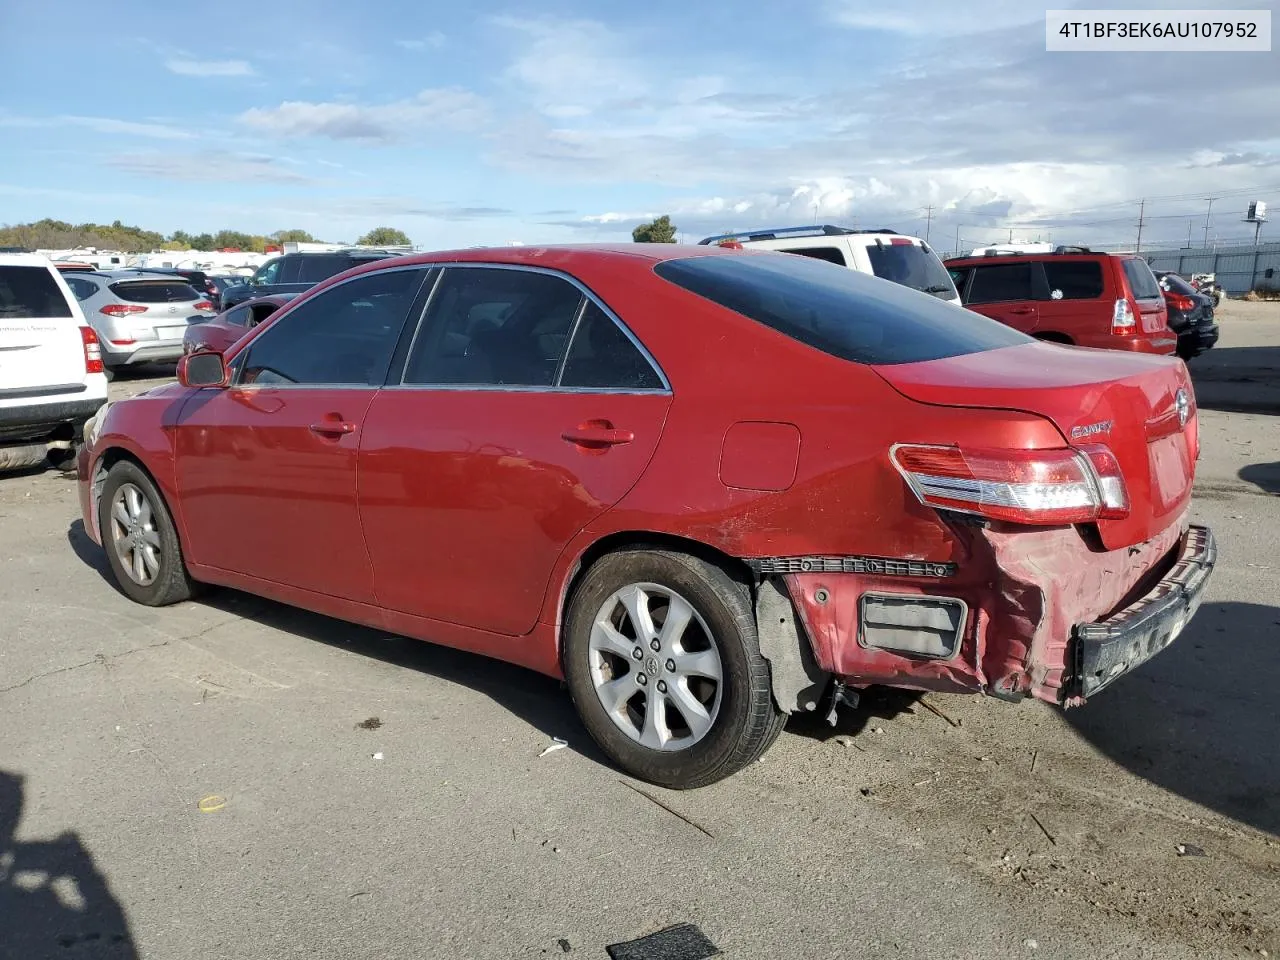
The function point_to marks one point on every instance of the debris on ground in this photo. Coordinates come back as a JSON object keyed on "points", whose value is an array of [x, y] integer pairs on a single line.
{"points": [[681, 942], [211, 804], [1190, 850], [378, 755], [556, 744], [373, 723]]}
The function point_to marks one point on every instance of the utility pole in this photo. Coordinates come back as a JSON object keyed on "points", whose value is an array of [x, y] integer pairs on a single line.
{"points": [[957, 246], [1142, 209], [928, 221], [1207, 214], [1188, 234]]}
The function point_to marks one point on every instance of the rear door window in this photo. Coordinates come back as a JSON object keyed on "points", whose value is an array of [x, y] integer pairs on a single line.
{"points": [[82, 288], [602, 356], [841, 312], [911, 265], [1000, 283], [30, 292], [313, 269], [1073, 279], [1142, 282], [830, 254], [154, 291]]}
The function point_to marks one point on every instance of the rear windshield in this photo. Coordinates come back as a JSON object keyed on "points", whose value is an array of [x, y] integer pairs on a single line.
{"points": [[1141, 280], [30, 292], [912, 266], [841, 312], [155, 291], [1175, 283]]}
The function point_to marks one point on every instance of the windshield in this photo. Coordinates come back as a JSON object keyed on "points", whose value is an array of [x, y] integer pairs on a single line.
{"points": [[912, 266], [839, 311]]}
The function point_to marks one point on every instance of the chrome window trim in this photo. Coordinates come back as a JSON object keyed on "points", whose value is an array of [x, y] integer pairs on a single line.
{"points": [[273, 322], [586, 291]]}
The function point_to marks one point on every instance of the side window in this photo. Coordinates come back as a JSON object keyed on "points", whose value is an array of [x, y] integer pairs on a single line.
{"points": [[313, 269], [1073, 279], [960, 276], [269, 272], [829, 254], [289, 267], [1000, 283], [601, 355], [82, 288], [238, 317], [492, 326], [345, 336]]}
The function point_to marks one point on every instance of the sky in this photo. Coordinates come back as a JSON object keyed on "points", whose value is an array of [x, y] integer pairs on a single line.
{"points": [[568, 121]]}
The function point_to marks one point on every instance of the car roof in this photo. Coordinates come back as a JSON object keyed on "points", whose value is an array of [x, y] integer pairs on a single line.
{"points": [[1062, 253], [24, 260], [565, 256], [132, 274]]}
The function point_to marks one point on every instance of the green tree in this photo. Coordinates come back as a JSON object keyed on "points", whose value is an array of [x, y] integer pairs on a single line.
{"points": [[384, 237], [291, 236], [661, 230], [202, 241]]}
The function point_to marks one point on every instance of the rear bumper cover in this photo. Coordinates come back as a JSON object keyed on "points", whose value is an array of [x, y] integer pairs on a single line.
{"points": [[1107, 650], [30, 422]]}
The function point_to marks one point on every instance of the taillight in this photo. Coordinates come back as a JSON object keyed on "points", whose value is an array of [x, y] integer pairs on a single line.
{"points": [[731, 245], [202, 305], [1123, 319], [122, 309], [1039, 487], [1179, 302], [92, 350], [900, 242]]}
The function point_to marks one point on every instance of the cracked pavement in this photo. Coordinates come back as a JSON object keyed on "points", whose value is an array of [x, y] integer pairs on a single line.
{"points": [[375, 797]]}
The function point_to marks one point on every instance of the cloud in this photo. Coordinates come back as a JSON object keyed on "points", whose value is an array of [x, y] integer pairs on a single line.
{"points": [[187, 67], [941, 18], [434, 39], [132, 128], [210, 167], [451, 108]]}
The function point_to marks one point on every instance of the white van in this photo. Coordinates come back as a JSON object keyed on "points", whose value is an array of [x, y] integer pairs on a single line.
{"points": [[51, 374], [882, 253]]}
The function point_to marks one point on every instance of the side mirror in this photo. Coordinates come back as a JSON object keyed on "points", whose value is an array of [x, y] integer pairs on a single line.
{"points": [[206, 369]]}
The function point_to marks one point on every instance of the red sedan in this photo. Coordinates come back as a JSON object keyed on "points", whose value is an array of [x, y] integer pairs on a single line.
{"points": [[222, 331], [709, 488]]}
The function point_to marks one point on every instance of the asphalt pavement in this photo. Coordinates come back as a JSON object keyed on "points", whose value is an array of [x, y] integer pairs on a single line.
{"points": [[232, 777]]}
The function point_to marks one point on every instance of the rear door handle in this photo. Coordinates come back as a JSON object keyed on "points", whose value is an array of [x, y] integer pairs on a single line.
{"points": [[1022, 311], [597, 434], [333, 428]]}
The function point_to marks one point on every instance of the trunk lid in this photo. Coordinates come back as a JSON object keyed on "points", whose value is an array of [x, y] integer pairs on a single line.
{"points": [[1127, 401]]}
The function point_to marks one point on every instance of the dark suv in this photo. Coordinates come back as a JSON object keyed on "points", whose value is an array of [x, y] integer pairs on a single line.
{"points": [[296, 272], [1074, 295]]}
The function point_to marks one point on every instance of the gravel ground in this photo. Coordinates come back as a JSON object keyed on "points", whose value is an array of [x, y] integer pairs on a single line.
{"points": [[369, 796]]}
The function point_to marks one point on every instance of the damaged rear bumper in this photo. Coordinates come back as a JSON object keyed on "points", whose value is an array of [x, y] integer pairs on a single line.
{"points": [[1103, 652]]}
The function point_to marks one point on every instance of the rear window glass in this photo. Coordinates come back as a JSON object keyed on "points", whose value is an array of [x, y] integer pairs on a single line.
{"points": [[912, 266], [30, 292], [1173, 282], [829, 254], [1076, 279], [1000, 284], [841, 312], [1141, 280], [155, 291]]}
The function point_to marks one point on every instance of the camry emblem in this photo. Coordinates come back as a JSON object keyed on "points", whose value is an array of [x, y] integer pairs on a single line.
{"points": [[1091, 429], [1182, 403]]}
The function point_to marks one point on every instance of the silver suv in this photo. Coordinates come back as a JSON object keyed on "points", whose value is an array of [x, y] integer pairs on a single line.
{"points": [[139, 317]]}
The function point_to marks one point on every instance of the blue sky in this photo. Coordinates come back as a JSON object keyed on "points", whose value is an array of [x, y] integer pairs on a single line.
{"points": [[569, 121]]}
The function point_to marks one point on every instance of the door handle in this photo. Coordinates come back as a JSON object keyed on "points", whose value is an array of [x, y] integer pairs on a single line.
{"points": [[333, 428], [1022, 311], [597, 435]]}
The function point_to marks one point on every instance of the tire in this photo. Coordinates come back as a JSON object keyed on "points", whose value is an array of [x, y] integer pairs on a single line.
{"points": [[738, 720], [22, 457], [164, 578]]}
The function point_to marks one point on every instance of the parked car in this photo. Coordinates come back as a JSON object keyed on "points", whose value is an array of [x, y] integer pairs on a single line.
{"points": [[139, 317], [226, 328], [72, 266], [882, 253], [221, 283], [196, 278], [1074, 295], [1190, 315], [551, 473], [51, 376], [296, 272]]}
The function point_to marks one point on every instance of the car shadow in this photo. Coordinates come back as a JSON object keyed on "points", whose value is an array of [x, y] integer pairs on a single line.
{"points": [[54, 899], [537, 699], [1238, 379], [1199, 720], [1264, 476], [875, 703]]}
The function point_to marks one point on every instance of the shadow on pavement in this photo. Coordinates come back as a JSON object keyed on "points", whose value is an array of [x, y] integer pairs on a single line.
{"points": [[1238, 379], [1199, 719], [54, 902], [1264, 476]]}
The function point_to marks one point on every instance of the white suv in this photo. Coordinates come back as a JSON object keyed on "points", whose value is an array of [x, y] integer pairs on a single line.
{"points": [[882, 253], [51, 375]]}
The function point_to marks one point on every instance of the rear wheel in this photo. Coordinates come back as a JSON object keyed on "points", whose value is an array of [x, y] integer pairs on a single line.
{"points": [[140, 539], [664, 667]]}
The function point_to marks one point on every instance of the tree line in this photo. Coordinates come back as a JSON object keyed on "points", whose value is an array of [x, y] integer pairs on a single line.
{"points": [[49, 234]]}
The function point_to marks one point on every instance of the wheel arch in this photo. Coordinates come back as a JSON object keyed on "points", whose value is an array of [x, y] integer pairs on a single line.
{"points": [[107, 459]]}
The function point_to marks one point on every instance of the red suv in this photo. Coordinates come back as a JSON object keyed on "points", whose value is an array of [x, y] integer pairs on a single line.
{"points": [[1073, 295], [708, 488]]}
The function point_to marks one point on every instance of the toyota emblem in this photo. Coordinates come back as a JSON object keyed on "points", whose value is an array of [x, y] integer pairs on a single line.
{"points": [[1182, 403]]}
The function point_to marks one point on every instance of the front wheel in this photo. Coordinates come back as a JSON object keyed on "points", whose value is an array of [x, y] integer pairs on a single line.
{"points": [[140, 539], [664, 666]]}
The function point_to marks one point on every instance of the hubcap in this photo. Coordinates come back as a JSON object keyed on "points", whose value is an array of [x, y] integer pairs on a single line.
{"points": [[134, 535], [655, 667]]}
